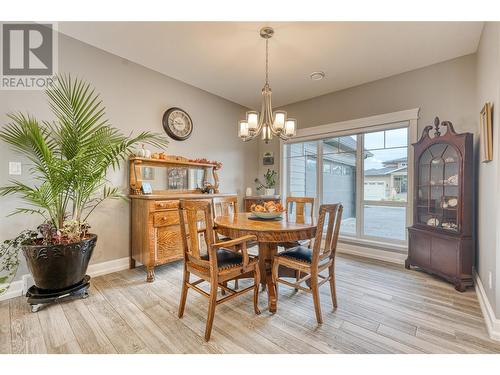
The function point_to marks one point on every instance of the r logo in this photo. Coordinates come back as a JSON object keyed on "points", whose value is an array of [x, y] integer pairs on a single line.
{"points": [[27, 49]]}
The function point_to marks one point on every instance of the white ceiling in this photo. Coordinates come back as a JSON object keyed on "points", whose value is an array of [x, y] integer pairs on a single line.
{"points": [[227, 58]]}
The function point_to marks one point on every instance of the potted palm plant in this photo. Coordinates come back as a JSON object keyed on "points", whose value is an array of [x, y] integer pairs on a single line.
{"points": [[69, 159]]}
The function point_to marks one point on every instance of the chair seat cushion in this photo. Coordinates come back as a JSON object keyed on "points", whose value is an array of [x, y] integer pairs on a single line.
{"points": [[300, 253], [226, 258], [288, 245], [222, 238]]}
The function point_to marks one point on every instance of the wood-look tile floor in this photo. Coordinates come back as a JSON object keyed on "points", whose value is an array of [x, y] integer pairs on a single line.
{"points": [[383, 308]]}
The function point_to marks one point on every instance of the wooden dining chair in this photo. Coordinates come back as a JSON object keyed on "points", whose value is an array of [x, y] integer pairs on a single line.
{"points": [[222, 261], [225, 206], [310, 262], [299, 216], [300, 204]]}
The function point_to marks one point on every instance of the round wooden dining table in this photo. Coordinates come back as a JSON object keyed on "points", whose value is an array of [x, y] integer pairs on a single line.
{"points": [[269, 234]]}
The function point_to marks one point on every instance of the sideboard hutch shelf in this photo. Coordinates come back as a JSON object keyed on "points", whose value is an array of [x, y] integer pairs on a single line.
{"points": [[441, 237], [155, 230]]}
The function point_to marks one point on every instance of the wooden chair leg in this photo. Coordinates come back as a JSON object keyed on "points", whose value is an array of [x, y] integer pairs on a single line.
{"points": [[222, 291], [315, 293], [274, 276], [297, 277], [256, 290], [331, 275], [211, 308], [184, 292]]}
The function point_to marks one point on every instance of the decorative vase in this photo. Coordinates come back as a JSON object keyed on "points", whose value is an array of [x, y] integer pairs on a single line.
{"points": [[58, 267], [141, 152], [269, 192]]}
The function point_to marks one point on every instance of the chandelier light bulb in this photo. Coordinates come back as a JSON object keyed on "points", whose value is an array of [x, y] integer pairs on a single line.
{"points": [[243, 129], [266, 134], [279, 120], [290, 127], [252, 120]]}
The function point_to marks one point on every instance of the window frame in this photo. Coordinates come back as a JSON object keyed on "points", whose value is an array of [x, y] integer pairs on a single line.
{"points": [[358, 127]]}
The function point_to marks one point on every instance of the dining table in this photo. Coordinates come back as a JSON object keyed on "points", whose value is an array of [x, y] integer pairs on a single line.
{"points": [[270, 233]]}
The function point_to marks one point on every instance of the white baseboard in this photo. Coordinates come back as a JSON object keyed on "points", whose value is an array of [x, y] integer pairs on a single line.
{"points": [[110, 266], [15, 290], [492, 322], [19, 287], [367, 252]]}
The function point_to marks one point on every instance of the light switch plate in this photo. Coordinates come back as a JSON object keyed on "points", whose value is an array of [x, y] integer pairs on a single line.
{"points": [[15, 168]]}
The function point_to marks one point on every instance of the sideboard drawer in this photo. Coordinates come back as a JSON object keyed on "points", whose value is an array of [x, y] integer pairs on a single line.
{"points": [[166, 205], [165, 218]]}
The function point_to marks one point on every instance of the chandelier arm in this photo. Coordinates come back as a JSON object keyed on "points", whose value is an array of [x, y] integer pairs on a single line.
{"points": [[261, 120], [271, 115]]}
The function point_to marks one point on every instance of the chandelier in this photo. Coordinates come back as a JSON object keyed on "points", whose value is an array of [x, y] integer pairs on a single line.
{"points": [[267, 122]]}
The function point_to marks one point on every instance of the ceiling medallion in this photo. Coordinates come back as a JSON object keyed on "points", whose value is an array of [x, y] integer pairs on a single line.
{"points": [[267, 122]]}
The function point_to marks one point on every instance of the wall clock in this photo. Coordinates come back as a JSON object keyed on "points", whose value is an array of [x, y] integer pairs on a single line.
{"points": [[177, 124]]}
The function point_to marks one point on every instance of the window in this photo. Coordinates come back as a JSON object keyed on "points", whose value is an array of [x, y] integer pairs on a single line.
{"points": [[367, 172], [340, 184]]}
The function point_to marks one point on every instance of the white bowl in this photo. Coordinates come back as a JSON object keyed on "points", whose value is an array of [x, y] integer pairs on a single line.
{"points": [[267, 215]]}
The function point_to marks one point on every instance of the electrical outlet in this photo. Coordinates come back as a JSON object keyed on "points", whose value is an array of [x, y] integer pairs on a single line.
{"points": [[15, 168], [490, 280]]}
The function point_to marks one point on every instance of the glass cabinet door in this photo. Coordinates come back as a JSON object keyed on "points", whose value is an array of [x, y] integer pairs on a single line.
{"points": [[437, 187]]}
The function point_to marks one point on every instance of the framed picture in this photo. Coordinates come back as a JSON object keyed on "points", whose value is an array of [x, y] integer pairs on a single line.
{"points": [[147, 188], [148, 173], [268, 158], [486, 130]]}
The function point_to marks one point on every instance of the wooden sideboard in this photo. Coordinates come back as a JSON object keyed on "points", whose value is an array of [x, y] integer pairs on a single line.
{"points": [[154, 221], [259, 199], [155, 229]]}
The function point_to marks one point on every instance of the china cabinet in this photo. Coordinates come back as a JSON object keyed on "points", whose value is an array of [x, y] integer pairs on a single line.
{"points": [[441, 237]]}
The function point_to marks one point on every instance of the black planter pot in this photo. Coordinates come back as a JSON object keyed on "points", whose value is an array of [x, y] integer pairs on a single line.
{"points": [[58, 267]]}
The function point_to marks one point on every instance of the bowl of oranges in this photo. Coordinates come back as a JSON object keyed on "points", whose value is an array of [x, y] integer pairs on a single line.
{"points": [[268, 210]]}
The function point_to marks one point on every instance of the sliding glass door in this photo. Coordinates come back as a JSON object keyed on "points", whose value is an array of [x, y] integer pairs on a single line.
{"points": [[366, 172], [339, 177], [385, 184]]}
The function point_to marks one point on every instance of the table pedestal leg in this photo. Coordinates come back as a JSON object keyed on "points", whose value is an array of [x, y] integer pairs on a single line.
{"points": [[266, 254]]}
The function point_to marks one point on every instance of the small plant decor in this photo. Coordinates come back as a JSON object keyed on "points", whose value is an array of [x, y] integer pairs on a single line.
{"points": [[270, 180]]}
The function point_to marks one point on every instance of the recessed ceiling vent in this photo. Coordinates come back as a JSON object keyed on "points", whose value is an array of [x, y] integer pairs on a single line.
{"points": [[317, 76]]}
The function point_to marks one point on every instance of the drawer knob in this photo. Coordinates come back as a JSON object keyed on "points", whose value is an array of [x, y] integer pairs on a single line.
{"points": [[162, 204], [164, 218]]}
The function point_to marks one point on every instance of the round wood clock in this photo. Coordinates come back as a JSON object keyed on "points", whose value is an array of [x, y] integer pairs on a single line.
{"points": [[177, 124]]}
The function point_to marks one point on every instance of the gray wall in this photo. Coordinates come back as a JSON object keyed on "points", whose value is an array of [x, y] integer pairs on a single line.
{"points": [[135, 98], [455, 90], [488, 235], [447, 89]]}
